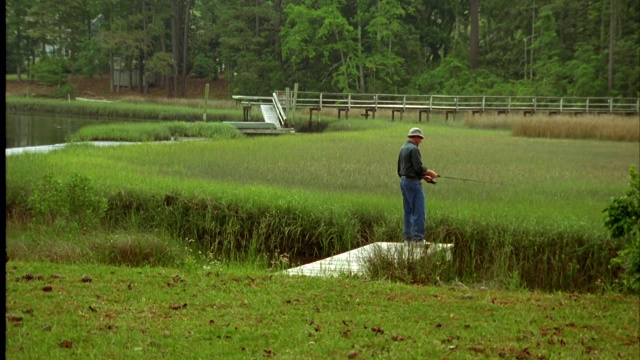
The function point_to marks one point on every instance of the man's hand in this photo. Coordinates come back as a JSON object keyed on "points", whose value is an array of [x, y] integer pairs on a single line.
{"points": [[430, 176]]}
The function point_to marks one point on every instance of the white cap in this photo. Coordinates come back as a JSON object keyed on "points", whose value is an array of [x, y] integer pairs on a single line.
{"points": [[415, 132]]}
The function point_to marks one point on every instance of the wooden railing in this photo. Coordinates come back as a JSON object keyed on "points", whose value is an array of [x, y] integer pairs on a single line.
{"points": [[468, 103], [370, 103]]}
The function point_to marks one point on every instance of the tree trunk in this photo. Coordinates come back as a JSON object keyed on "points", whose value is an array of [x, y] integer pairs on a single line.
{"points": [[162, 79], [257, 29], [19, 51], [278, 8], [175, 29], [145, 21], [344, 62], [612, 42], [130, 61], [473, 54], [361, 88], [111, 71], [187, 17], [141, 73]]}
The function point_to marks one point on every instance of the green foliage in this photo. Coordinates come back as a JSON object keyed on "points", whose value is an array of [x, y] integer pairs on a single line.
{"points": [[91, 60], [623, 214], [46, 199], [453, 77], [583, 78], [162, 63], [65, 90], [70, 204], [549, 47], [50, 71], [623, 221], [204, 67]]}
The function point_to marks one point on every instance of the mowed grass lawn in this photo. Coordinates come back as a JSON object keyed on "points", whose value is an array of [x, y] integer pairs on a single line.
{"points": [[225, 311], [106, 312]]}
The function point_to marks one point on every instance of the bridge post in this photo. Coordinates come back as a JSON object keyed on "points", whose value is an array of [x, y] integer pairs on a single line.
{"points": [[586, 109], [426, 111], [246, 112], [393, 114], [610, 105]]}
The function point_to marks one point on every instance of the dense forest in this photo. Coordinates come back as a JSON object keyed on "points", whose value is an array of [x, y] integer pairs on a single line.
{"points": [[461, 47]]}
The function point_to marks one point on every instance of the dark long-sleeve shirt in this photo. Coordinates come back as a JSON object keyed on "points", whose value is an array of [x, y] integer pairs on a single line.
{"points": [[410, 161]]}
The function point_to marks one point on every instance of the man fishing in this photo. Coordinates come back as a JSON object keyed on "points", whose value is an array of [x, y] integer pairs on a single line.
{"points": [[411, 172]]}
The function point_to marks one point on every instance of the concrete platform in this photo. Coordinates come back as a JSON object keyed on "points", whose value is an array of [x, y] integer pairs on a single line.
{"points": [[352, 262]]}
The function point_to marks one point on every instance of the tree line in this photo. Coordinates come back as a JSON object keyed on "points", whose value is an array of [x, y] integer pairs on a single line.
{"points": [[461, 47]]}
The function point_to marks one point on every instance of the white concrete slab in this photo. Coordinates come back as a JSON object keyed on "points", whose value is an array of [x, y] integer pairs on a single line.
{"points": [[352, 262]]}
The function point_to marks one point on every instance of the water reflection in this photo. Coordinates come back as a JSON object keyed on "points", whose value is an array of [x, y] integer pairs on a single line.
{"points": [[34, 130]]}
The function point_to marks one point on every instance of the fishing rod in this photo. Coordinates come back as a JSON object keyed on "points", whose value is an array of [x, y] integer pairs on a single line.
{"points": [[463, 179], [433, 181]]}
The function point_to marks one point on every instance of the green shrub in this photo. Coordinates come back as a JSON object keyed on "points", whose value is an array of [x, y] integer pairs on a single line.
{"points": [[49, 71], [91, 60], [73, 204], [204, 67], [623, 221], [65, 90]]}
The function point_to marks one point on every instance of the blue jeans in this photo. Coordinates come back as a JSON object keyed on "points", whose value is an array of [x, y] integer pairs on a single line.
{"points": [[415, 213]]}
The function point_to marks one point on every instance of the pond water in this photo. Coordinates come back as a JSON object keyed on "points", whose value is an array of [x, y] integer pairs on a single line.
{"points": [[24, 129]]}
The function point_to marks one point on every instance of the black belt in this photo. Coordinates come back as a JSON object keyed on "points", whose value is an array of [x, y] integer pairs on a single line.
{"points": [[411, 178]]}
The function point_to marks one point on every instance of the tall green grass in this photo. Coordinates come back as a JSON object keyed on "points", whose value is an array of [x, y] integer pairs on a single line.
{"points": [[130, 110], [160, 131], [537, 214]]}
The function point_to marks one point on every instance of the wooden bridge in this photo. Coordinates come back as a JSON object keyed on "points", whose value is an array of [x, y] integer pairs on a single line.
{"points": [[369, 104]]}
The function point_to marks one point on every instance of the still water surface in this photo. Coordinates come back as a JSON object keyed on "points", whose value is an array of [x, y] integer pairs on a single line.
{"points": [[24, 129]]}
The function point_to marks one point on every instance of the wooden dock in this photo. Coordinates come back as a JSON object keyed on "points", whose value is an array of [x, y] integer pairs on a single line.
{"points": [[352, 262], [368, 104]]}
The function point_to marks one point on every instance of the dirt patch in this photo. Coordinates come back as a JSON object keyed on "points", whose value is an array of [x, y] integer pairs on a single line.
{"points": [[98, 88]]}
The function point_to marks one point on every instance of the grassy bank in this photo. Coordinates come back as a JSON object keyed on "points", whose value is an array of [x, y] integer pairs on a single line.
{"points": [[597, 127], [155, 131], [535, 220], [92, 311], [132, 109]]}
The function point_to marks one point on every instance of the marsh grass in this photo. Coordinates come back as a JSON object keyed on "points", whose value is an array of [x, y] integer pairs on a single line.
{"points": [[157, 131], [614, 128], [183, 102], [130, 110], [599, 127], [71, 246], [409, 265], [536, 222]]}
